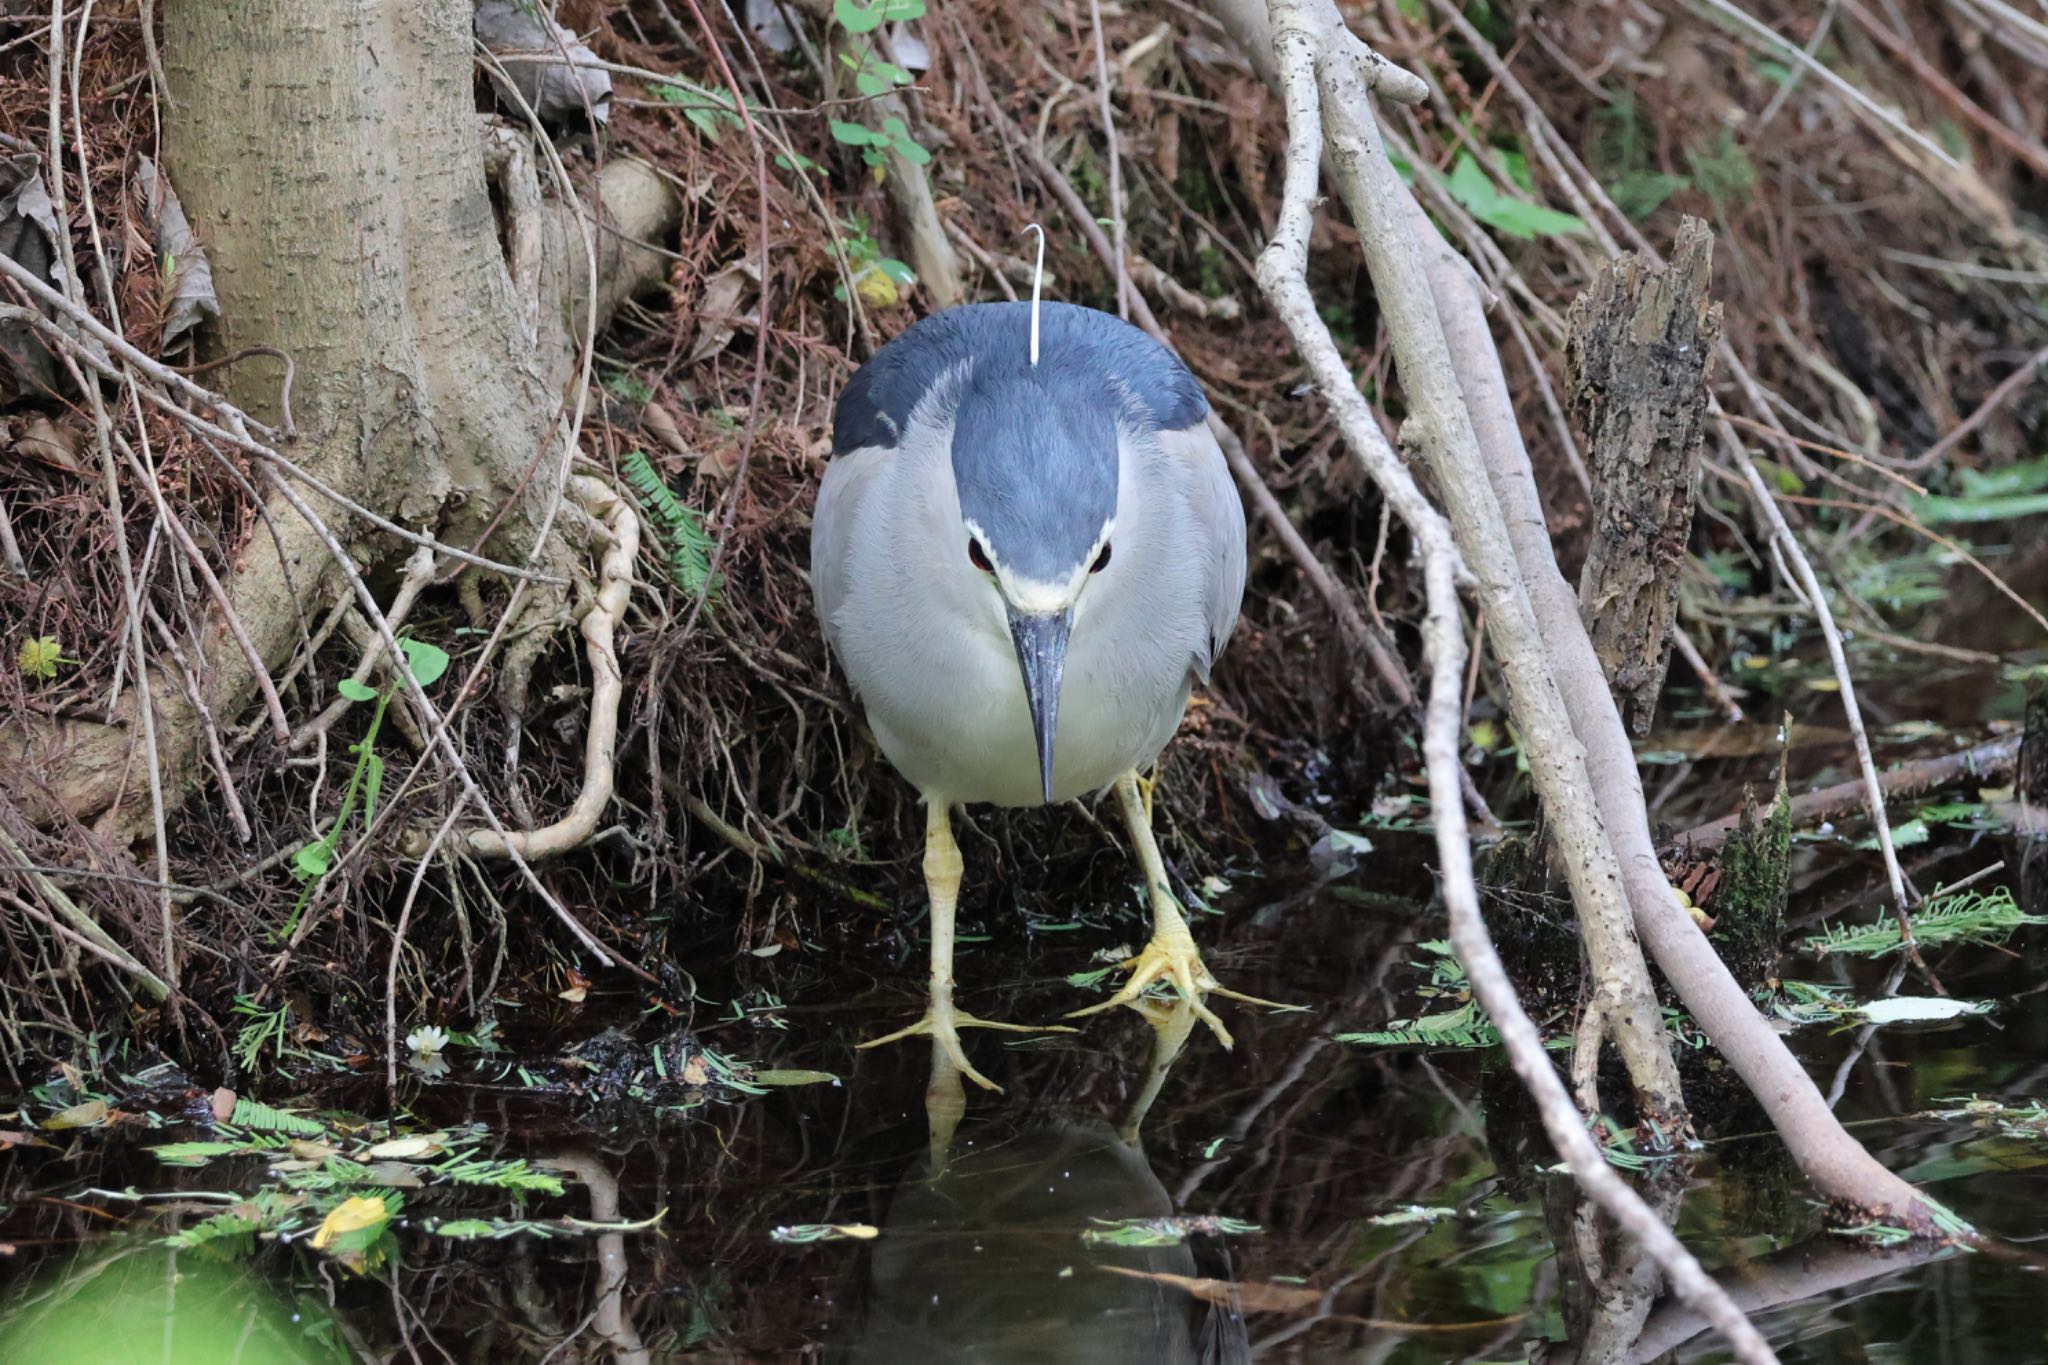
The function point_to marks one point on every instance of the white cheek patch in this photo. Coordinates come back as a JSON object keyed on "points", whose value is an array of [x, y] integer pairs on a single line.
{"points": [[1031, 596]]}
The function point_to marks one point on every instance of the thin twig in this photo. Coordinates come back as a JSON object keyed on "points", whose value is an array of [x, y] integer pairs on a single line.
{"points": [[145, 705], [1808, 583], [1858, 100], [1116, 172], [1994, 400]]}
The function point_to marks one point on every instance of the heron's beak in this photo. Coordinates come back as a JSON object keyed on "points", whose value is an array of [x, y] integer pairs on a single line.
{"points": [[1041, 641]]}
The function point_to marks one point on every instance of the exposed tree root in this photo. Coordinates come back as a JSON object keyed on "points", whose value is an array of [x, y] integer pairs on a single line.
{"points": [[599, 626]]}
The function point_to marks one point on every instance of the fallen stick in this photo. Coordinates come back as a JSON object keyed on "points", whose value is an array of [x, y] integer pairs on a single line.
{"points": [[1994, 759]]}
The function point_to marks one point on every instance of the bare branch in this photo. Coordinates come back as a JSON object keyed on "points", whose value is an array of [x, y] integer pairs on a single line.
{"points": [[1283, 273]]}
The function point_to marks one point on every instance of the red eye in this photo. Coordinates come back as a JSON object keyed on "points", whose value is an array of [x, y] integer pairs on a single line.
{"points": [[1101, 561], [979, 557]]}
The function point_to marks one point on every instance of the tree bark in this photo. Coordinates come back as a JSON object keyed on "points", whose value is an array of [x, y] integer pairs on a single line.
{"points": [[1641, 341]]}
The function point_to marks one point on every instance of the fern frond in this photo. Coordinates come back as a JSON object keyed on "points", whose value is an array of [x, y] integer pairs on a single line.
{"points": [[1961, 917], [682, 526], [233, 1233], [259, 1117]]}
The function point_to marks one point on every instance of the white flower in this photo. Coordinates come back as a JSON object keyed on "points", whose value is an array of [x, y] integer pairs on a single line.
{"points": [[426, 1042]]}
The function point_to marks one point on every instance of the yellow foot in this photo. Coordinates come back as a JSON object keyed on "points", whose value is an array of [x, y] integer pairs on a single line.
{"points": [[942, 1024], [1173, 958]]}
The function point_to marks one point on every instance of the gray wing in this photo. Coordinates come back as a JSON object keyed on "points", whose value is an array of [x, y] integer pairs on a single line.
{"points": [[849, 479], [1219, 514]]}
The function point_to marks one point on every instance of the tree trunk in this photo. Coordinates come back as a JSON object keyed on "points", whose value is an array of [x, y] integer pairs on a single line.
{"points": [[331, 158]]}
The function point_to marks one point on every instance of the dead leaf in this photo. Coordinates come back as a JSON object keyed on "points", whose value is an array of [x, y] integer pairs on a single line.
{"points": [[406, 1148], [696, 1071], [662, 425], [188, 298], [553, 81], [719, 308], [54, 444], [28, 235], [90, 1114], [223, 1105], [310, 1149]]}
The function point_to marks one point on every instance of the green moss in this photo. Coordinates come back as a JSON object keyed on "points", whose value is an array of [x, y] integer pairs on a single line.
{"points": [[1749, 901]]}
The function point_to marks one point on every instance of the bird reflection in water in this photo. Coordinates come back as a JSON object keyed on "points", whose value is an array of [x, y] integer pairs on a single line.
{"points": [[981, 1257]]}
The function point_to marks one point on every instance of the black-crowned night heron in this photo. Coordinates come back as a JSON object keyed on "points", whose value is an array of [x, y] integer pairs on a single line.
{"points": [[1026, 551]]}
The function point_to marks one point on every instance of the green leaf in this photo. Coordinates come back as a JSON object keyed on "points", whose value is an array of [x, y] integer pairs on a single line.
{"points": [[355, 691], [870, 83], [1469, 185], [2030, 476], [196, 1153], [1939, 511], [911, 152], [851, 134], [426, 662], [857, 18], [1903, 836], [896, 270], [313, 861], [465, 1228], [1527, 221], [1947, 917]]}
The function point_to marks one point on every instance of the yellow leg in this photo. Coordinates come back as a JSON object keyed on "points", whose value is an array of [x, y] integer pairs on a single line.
{"points": [[1172, 1022], [942, 1023], [1172, 954], [945, 1104]]}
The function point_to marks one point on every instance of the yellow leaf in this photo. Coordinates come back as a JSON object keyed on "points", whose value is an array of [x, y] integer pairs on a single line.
{"points": [[877, 289], [91, 1114], [350, 1215], [39, 657], [1824, 684]]}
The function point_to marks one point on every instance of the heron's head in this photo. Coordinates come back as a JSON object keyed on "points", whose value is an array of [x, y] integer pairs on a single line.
{"points": [[1035, 454]]}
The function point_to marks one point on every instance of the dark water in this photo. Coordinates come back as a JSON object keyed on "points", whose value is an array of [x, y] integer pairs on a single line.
{"points": [[1321, 1145]]}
